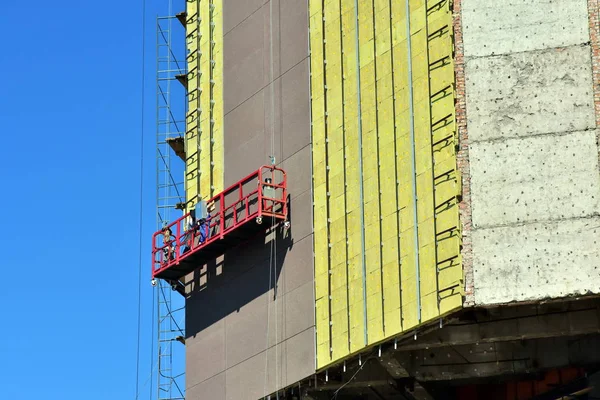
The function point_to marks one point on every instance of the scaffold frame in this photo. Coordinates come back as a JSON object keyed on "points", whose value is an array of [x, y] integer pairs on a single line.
{"points": [[171, 106]]}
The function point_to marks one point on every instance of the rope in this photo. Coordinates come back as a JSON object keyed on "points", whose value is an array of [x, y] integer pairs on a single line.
{"points": [[166, 302], [273, 217], [276, 314], [139, 305], [268, 323], [152, 344], [273, 246], [153, 367], [335, 394]]}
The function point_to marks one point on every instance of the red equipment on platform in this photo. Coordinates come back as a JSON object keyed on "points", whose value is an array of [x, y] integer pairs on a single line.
{"points": [[240, 211]]}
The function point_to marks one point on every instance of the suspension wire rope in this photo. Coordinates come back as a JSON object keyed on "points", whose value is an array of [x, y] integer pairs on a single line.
{"points": [[162, 290], [335, 394], [152, 333], [141, 214], [173, 119], [268, 317], [153, 367], [162, 33], [174, 184], [277, 370], [273, 246], [173, 380]]}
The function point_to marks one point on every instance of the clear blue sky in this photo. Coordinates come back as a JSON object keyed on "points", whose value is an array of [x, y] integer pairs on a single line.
{"points": [[70, 167]]}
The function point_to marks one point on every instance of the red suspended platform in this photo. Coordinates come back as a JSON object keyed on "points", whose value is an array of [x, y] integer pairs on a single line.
{"points": [[251, 205]]}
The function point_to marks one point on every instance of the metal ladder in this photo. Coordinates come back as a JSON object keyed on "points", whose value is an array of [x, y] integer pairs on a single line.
{"points": [[170, 123]]}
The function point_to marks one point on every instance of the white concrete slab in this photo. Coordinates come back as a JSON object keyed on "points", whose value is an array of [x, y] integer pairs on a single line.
{"points": [[532, 93], [510, 26]]}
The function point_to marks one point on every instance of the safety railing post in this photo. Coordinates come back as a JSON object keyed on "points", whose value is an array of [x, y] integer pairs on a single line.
{"points": [[260, 193], [285, 199], [177, 241], [241, 197], [235, 216], [221, 214], [247, 207], [153, 252]]}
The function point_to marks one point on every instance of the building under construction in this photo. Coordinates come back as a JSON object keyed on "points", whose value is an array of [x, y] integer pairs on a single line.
{"points": [[378, 199]]}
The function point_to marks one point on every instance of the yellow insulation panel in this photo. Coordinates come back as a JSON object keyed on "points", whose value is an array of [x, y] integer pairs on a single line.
{"points": [[336, 162], [217, 150], [389, 249], [204, 119], [370, 173], [384, 157], [322, 243]]}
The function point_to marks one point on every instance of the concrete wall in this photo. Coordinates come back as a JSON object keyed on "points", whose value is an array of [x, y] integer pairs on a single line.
{"points": [[533, 149], [250, 324]]}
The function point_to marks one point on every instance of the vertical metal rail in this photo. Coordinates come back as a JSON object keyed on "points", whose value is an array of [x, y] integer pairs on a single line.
{"points": [[346, 166], [396, 177], [413, 159], [312, 177], [430, 133], [211, 99], [327, 181], [379, 191], [360, 173], [170, 123]]}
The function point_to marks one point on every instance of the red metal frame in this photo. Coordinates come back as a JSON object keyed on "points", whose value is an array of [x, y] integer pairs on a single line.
{"points": [[218, 229]]}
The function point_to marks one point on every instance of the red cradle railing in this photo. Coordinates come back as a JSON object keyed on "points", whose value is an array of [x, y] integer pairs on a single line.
{"points": [[238, 212]]}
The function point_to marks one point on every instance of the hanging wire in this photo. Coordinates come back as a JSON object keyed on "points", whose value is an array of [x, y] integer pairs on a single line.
{"points": [[153, 366], [142, 115], [274, 231], [152, 347], [273, 246], [166, 303], [335, 394]]}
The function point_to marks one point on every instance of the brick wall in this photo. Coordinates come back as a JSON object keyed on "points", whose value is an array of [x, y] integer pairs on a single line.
{"points": [[463, 154]]}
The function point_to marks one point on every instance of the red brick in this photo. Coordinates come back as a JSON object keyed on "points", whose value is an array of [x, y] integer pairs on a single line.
{"points": [[594, 21], [463, 155]]}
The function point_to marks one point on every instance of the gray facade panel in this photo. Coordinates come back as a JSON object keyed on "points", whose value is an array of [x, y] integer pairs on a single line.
{"points": [[295, 109], [299, 179], [300, 360], [247, 327], [258, 375], [236, 11], [243, 60], [245, 126], [205, 354], [264, 303], [293, 32], [298, 311], [212, 388], [296, 273], [301, 214], [273, 121]]}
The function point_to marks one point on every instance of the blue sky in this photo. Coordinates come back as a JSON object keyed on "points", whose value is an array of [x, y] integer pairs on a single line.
{"points": [[70, 120]]}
